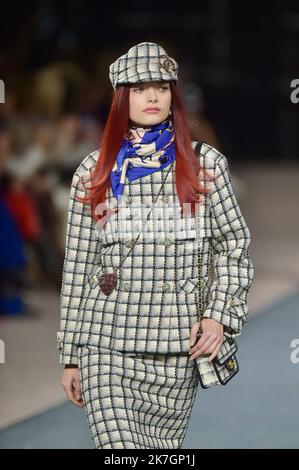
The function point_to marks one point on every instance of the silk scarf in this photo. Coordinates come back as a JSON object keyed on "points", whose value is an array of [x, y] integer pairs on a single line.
{"points": [[143, 151]]}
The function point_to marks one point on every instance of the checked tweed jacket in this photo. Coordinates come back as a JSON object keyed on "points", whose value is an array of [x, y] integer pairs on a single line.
{"points": [[155, 303]]}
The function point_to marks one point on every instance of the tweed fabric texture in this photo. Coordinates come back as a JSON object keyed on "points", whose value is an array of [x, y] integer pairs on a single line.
{"points": [[136, 401], [155, 303], [144, 62]]}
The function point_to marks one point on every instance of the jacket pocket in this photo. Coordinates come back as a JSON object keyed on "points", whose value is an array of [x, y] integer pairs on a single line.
{"points": [[188, 298], [191, 285]]}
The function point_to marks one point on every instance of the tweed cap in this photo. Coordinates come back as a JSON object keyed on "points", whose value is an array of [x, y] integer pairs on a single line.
{"points": [[144, 62]]}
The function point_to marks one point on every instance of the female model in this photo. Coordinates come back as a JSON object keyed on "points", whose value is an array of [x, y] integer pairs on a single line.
{"points": [[129, 299]]}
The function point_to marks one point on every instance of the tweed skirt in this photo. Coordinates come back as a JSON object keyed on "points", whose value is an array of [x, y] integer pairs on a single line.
{"points": [[136, 400]]}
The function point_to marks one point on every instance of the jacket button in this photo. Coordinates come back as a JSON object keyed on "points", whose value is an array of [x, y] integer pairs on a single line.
{"points": [[167, 242], [166, 287], [232, 302], [127, 286], [165, 198], [94, 281], [129, 244], [113, 203], [202, 283], [128, 200], [230, 364]]}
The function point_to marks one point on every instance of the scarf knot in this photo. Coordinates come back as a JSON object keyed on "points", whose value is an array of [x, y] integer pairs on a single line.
{"points": [[142, 152]]}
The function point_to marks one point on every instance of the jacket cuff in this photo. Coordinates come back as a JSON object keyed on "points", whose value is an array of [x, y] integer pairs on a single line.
{"points": [[230, 311], [68, 352]]}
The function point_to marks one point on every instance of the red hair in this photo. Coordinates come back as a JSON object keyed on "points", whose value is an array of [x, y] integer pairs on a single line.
{"points": [[187, 166]]}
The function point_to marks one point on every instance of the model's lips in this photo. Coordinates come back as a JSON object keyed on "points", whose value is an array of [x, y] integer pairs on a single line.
{"points": [[152, 110]]}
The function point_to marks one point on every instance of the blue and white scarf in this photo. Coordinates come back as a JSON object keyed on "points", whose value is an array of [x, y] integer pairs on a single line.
{"points": [[143, 151]]}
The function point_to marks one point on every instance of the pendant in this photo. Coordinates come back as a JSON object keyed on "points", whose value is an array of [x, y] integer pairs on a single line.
{"points": [[108, 282]]}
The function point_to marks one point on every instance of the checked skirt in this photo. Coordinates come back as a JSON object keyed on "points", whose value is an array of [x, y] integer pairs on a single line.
{"points": [[136, 400]]}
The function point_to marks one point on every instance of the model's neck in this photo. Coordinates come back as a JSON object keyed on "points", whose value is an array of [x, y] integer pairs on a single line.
{"points": [[142, 126]]}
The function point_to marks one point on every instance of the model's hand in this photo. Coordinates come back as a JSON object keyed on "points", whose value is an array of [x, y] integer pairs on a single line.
{"points": [[70, 381], [210, 341]]}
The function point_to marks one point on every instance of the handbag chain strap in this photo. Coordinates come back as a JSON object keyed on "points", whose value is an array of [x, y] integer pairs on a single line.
{"points": [[199, 260], [159, 192]]}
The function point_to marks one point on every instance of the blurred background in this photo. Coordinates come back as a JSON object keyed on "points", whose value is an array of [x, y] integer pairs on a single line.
{"points": [[236, 64]]}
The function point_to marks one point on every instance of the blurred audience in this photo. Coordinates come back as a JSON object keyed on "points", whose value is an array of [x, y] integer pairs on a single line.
{"points": [[200, 126], [12, 257]]}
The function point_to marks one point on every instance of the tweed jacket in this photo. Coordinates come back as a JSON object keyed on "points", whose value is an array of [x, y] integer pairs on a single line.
{"points": [[155, 303]]}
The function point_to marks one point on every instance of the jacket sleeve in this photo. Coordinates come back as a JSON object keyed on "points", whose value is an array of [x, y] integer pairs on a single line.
{"points": [[80, 250], [233, 267]]}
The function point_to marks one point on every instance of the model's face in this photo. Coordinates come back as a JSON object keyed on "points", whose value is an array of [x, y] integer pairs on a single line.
{"points": [[149, 95]]}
